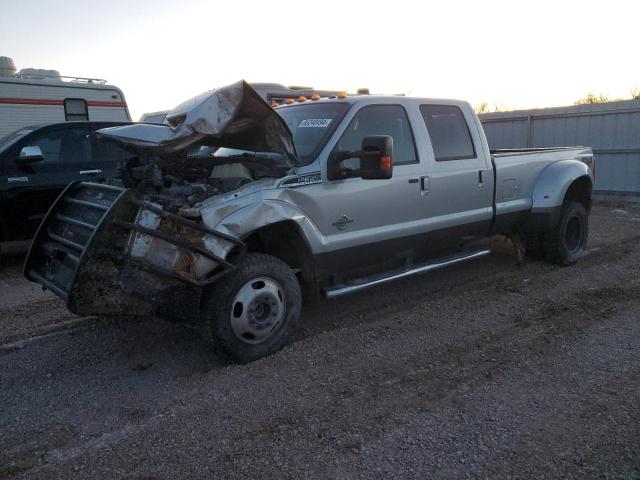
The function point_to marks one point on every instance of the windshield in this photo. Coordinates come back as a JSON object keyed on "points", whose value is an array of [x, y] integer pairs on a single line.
{"points": [[13, 137], [311, 125]]}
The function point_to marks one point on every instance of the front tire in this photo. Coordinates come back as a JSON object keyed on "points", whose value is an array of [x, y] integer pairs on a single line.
{"points": [[567, 242], [251, 309]]}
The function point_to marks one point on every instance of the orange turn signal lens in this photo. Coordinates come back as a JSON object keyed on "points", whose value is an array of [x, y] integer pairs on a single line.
{"points": [[302, 98], [342, 95], [315, 97], [289, 101]]}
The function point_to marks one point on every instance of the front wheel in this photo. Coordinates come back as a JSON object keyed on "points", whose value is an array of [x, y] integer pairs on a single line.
{"points": [[250, 310], [567, 242]]}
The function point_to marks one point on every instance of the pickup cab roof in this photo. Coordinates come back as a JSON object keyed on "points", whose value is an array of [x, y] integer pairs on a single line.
{"points": [[373, 99]]}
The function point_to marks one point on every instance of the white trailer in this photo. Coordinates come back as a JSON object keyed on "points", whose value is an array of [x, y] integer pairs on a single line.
{"points": [[36, 97]]}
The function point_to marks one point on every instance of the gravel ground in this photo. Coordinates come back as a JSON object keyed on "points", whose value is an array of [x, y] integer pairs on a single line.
{"points": [[485, 370]]}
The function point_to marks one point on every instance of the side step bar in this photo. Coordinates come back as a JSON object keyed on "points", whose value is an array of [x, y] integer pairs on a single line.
{"points": [[358, 285]]}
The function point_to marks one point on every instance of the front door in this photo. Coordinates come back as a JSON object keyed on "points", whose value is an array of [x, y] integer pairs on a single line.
{"points": [[370, 223], [31, 188]]}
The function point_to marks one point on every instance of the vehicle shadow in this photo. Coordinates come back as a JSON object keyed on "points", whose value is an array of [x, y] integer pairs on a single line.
{"points": [[181, 349], [11, 260], [367, 305], [125, 365]]}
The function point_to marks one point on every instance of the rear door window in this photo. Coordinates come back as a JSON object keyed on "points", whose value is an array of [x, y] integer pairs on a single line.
{"points": [[108, 151], [449, 132]]}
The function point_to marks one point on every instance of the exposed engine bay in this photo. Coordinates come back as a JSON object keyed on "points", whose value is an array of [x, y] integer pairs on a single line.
{"points": [[184, 182], [214, 143]]}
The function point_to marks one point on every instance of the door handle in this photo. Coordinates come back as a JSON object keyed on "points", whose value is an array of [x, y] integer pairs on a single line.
{"points": [[18, 180], [425, 185], [90, 172]]}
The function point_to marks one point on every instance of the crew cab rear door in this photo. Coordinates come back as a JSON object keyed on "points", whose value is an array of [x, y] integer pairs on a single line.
{"points": [[106, 156], [457, 187]]}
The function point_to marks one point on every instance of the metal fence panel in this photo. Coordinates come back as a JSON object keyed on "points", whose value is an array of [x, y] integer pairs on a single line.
{"points": [[612, 129]]}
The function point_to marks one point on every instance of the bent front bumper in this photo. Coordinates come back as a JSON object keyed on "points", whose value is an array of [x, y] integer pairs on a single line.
{"points": [[97, 250]]}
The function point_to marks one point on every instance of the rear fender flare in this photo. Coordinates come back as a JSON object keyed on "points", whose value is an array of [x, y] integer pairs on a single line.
{"points": [[553, 182], [549, 192]]}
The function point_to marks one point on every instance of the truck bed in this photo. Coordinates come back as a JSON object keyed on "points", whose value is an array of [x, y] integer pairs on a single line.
{"points": [[517, 173], [512, 151]]}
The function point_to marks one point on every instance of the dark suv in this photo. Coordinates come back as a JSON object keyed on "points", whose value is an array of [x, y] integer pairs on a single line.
{"points": [[37, 163]]}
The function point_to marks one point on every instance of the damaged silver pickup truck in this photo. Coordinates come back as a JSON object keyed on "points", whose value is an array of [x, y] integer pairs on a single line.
{"points": [[320, 197]]}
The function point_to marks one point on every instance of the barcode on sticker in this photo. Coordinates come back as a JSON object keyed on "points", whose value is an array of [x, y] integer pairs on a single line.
{"points": [[315, 122]]}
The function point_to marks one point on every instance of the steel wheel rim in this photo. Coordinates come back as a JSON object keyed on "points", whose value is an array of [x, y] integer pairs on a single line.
{"points": [[257, 310]]}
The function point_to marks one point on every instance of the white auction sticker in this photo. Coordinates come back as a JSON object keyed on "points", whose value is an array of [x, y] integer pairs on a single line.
{"points": [[315, 122]]}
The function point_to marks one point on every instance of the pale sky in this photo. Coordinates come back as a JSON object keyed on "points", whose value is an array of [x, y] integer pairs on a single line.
{"points": [[511, 53]]}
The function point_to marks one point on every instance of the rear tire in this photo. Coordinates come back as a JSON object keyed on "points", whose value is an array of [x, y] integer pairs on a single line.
{"points": [[567, 242], [251, 309]]}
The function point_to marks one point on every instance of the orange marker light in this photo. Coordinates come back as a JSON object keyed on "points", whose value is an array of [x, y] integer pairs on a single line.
{"points": [[315, 97], [302, 98], [342, 95], [275, 104], [290, 100]]}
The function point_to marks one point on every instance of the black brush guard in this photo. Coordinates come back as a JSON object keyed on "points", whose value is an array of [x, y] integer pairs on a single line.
{"points": [[81, 252]]}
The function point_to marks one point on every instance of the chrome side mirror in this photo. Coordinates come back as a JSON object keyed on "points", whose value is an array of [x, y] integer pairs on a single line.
{"points": [[30, 154]]}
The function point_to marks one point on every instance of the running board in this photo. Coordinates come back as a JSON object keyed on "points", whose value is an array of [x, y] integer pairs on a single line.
{"points": [[396, 275]]}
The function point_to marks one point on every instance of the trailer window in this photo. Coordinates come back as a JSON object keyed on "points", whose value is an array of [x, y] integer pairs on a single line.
{"points": [[449, 132], [75, 110]]}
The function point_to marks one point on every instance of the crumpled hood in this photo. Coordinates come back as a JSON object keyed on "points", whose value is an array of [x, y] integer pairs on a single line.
{"points": [[234, 116]]}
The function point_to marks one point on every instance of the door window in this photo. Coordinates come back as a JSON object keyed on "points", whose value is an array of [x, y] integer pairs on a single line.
{"points": [[449, 132], [380, 120], [61, 145]]}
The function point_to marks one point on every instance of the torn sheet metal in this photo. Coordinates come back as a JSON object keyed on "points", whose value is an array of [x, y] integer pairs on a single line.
{"points": [[234, 116]]}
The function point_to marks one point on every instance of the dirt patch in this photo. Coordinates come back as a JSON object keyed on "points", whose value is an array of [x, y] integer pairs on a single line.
{"points": [[485, 370]]}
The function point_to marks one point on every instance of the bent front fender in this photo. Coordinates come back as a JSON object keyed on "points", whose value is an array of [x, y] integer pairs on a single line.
{"points": [[254, 216]]}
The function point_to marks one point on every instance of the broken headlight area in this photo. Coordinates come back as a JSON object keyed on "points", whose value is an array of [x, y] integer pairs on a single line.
{"points": [[107, 251]]}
